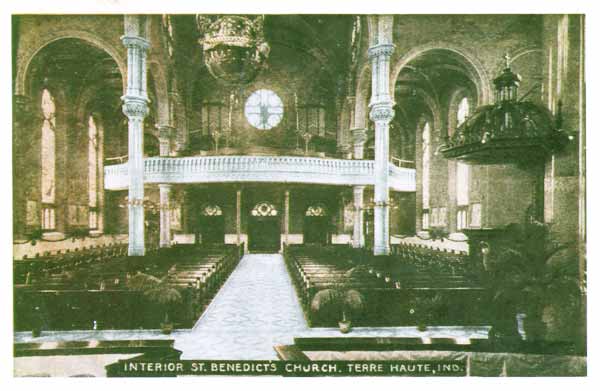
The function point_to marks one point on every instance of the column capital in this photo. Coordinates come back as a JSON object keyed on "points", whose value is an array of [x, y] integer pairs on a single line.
{"points": [[135, 106], [165, 131], [381, 112], [165, 186], [382, 49], [135, 42], [344, 148], [359, 135]]}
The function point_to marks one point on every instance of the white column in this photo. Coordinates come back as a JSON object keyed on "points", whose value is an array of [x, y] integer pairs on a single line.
{"points": [[381, 113], [135, 107], [238, 216], [286, 217], [358, 236], [165, 215]]}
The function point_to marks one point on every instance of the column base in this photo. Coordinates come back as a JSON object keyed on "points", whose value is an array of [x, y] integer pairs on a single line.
{"points": [[53, 236], [358, 243], [136, 251], [164, 244], [381, 250]]}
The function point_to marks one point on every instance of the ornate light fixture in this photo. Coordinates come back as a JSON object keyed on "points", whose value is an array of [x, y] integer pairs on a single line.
{"points": [[234, 46], [509, 131]]}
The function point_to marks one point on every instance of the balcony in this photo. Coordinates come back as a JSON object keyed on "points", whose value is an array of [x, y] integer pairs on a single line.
{"points": [[266, 169]]}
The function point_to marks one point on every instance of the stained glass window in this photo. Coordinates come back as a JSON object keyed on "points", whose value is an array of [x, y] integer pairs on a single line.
{"points": [[48, 147], [48, 160], [93, 169], [426, 163], [264, 109], [462, 173], [462, 170], [461, 218], [475, 215], [463, 111], [264, 209]]}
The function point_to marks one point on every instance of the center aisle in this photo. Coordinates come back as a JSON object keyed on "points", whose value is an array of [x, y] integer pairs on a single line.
{"points": [[256, 309]]}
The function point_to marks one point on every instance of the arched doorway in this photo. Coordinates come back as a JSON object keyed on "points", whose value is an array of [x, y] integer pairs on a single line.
{"points": [[212, 225], [316, 225], [264, 230]]}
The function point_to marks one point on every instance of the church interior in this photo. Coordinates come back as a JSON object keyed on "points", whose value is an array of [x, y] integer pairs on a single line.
{"points": [[266, 187]]}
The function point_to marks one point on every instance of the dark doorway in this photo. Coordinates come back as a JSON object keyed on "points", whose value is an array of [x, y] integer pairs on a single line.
{"points": [[264, 234], [316, 230], [264, 229], [211, 225], [368, 228], [212, 229], [316, 225]]}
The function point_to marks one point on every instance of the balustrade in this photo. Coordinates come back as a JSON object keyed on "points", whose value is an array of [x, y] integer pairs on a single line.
{"points": [[288, 169]]}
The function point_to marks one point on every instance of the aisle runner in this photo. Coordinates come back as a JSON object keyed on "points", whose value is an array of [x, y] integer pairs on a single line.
{"points": [[255, 309]]}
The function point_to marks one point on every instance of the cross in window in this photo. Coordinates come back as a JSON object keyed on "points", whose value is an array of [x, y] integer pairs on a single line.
{"points": [[264, 115]]}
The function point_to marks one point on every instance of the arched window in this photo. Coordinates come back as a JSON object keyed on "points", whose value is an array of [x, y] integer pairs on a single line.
{"points": [[463, 111], [426, 166], [317, 210], [48, 160], [212, 210], [264, 209], [94, 167], [462, 173]]}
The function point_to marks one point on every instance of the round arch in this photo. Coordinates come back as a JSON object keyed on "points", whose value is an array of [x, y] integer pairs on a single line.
{"points": [[21, 75], [518, 53], [477, 71]]}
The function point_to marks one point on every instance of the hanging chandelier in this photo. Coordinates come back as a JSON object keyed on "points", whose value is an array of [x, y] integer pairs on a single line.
{"points": [[509, 131], [234, 46]]}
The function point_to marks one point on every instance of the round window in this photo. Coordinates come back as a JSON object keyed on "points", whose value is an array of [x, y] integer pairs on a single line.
{"points": [[264, 109]]}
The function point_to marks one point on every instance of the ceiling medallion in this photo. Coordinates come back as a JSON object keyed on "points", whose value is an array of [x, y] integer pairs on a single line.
{"points": [[234, 46], [509, 131]]}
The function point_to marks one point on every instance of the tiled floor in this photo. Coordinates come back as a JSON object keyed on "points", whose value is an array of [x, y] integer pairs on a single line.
{"points": [[256, 309]]}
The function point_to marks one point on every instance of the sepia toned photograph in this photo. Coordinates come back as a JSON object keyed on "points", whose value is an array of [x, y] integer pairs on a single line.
{"points": [[298, 195]]}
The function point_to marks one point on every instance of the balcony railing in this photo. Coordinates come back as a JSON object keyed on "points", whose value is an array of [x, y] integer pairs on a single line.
{"points": [[273, 169], [402, 163]]}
